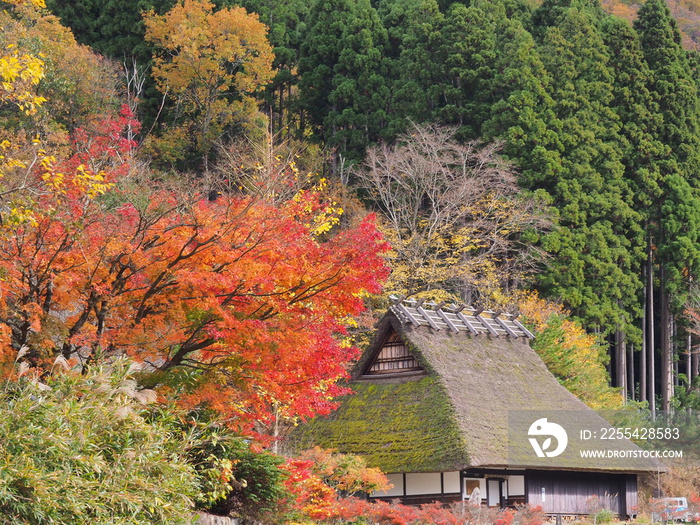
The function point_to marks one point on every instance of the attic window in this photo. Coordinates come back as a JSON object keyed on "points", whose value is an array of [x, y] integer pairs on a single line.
{"points": [[394, 357]]}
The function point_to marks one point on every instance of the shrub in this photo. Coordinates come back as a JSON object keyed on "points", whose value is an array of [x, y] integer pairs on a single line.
{"points": [[84, 449], [236, 480]]}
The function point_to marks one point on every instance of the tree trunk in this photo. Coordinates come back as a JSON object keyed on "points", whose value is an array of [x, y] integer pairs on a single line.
{"points": [[643, 354], [694, 362], [630, 373], [666, 383], [280, 119], [650, 325], [276, 430], [689, 357], [675, 363], [621, 362]]}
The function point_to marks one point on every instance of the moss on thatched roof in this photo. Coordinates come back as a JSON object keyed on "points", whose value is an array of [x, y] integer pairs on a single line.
{"points": [[397, 426], [486, 379]]}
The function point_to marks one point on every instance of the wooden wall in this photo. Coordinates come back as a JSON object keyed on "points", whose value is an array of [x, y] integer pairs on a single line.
{"points": [[573, 492]]}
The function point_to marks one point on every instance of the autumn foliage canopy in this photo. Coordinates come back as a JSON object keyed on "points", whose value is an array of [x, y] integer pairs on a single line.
{"points": [[240, 303]]}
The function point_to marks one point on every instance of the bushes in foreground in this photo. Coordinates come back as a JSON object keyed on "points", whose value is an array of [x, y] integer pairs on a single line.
{"points": [[86, 449]]}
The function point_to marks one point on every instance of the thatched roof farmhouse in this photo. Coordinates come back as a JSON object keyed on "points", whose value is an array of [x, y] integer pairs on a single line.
{"points": [[448, 403]]}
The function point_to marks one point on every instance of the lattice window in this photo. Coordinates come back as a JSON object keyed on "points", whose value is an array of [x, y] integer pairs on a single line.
{"points": [[394, 357]]}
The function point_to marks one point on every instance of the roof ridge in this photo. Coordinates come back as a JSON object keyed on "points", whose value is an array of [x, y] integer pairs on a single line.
{"points": [[457, 318]]}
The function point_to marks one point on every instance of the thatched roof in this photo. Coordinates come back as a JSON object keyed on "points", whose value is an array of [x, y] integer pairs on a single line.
{"points": [[457, 411]]}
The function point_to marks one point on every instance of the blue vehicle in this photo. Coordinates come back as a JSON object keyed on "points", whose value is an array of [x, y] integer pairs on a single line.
{"points": [[676, 509]]}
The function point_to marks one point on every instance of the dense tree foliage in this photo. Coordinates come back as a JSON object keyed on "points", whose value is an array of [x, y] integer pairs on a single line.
{"points": [[209, 63], [245, 292], [343, 83]]}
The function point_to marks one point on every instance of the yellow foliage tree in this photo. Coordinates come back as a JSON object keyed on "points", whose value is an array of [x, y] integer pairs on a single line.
{"points": [[210, 63], [49, 86], [20, 72], [576, 358]]}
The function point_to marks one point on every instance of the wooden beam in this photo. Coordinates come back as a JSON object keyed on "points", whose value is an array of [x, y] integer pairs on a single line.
{"points": [[427, 317], [525, 330], [487, 325], [505, 327], [449, 323], [467, 323], [408, 314]]}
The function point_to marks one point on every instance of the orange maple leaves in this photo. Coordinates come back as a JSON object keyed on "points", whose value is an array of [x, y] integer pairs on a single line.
{"points": [[240, 293]]}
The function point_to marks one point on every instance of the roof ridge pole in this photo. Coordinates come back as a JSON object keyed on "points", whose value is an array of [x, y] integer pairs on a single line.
{"points": [[504, 325]]}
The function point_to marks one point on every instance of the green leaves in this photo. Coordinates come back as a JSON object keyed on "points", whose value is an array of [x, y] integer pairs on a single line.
{"points": [[343, 88], [84, 449]]}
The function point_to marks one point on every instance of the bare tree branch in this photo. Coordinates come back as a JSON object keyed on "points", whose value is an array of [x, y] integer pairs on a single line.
{"points": [[453, 212]]}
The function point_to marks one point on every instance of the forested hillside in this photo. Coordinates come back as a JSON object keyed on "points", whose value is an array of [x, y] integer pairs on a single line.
{"points": [[507, 148]]}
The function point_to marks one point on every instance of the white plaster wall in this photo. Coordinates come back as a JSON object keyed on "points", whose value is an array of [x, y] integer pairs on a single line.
{"points": [[451, 480], [422, 483], [516, 485], [397, 481], [493, 494]]}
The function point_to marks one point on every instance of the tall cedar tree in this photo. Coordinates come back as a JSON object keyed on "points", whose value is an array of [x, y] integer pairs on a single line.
{"points": [[638, 111], [674, 224], [342, 89], [470, 55], [522, 115], [591, 268], [416, 74], [466, 53], [287, 22]]}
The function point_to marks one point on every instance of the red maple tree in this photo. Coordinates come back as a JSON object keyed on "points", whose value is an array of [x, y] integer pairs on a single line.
{"points": [[237, 302]]}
